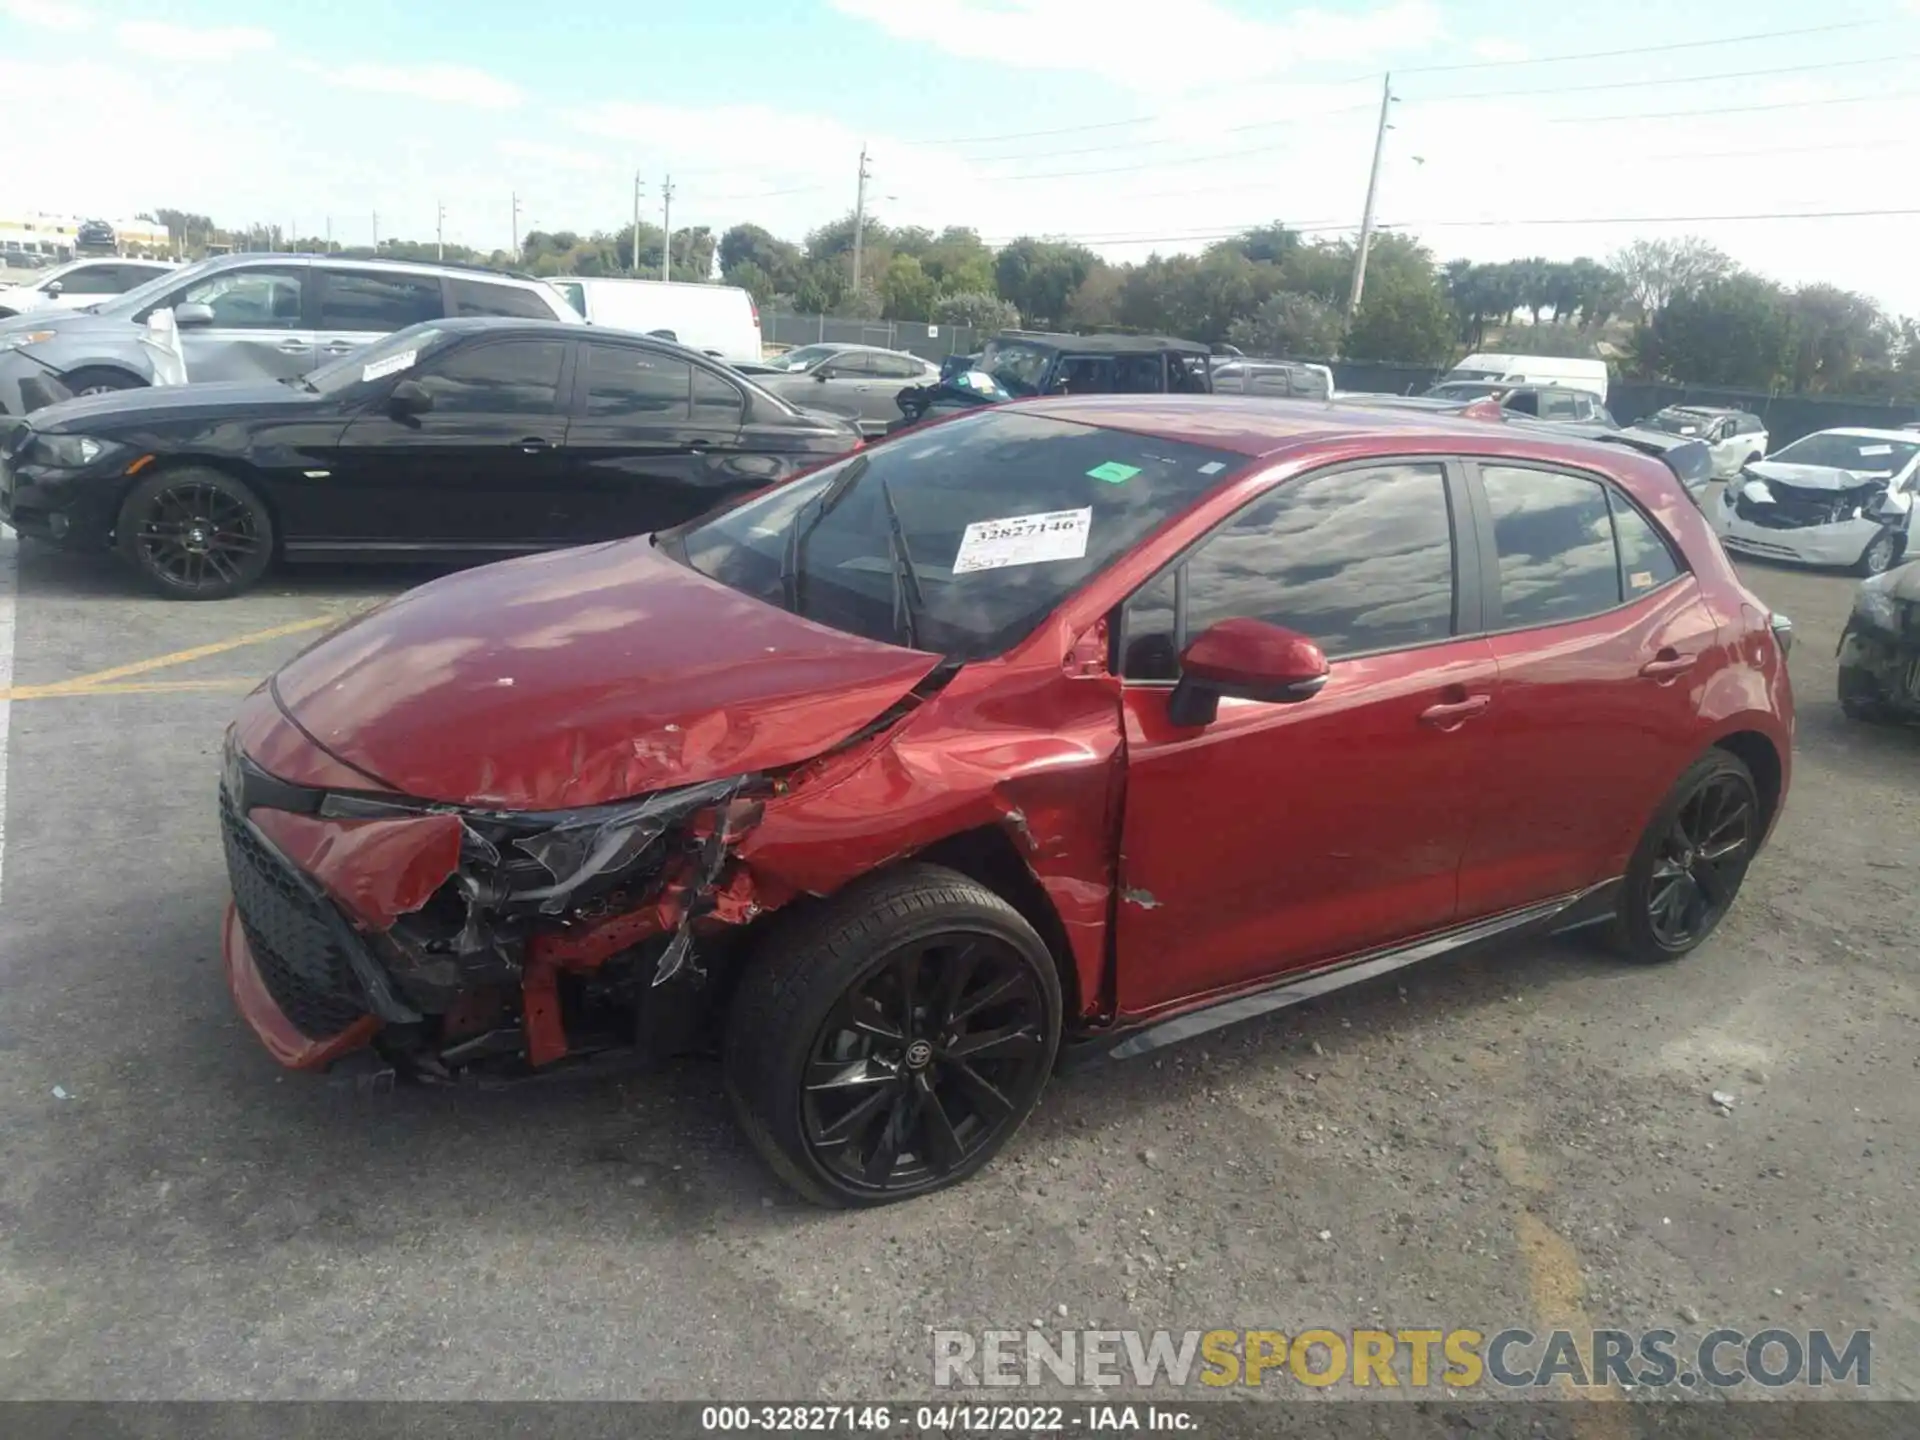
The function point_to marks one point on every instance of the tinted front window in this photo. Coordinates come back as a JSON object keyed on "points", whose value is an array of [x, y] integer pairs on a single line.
{"points": [[623, 381], [263, 299], [94, 280], [478, 297], [896, 367], [1555, 542], [502, 377], [1357, 560], [368, 300], [853, 365], [805, 358], [1004, 515]]}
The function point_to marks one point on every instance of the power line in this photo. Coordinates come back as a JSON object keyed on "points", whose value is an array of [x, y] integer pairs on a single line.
{"points": [[1718, 41], [1170, 140], [1637, 50], [1667, 80], [1322, 227], [1732, 109]]}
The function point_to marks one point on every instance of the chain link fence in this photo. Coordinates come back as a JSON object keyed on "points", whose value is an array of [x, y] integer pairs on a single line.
{"points": [[929, 342]]}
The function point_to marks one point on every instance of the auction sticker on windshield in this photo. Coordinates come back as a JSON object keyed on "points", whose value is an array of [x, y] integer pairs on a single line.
{"points": [[1024, 540], [392, 365]]}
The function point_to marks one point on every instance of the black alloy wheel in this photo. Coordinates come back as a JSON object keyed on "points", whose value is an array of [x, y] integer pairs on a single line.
{"points": [[196, 534], [889, 1041], [924, 1062], [1692, 860]]}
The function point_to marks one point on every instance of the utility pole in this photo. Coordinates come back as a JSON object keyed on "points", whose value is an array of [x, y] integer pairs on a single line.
{"points": [[859, 217], [666, 226], [329, 234], [1373, 185], [440, 230], [637, 183], [376, 232], [514, 248]]}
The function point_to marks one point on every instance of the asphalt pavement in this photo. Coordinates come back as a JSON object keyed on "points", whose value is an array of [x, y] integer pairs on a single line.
{"points": [[1522, 1137]]}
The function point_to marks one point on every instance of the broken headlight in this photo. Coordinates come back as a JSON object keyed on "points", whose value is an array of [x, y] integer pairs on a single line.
{"points": [[1873, 602]]}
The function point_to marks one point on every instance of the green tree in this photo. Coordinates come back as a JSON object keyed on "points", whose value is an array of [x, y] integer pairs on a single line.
{"points": [[1653, 272], [1732, 331], [1264, 244], [755, 281], [1039, 276], [907, 292], [1096, 304], [1402, 317], [778, 259], [1836, 334], [1290, 324]]}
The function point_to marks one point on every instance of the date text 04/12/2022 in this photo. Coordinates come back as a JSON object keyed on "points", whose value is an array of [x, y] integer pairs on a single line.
{"points": [[948, 1419]]}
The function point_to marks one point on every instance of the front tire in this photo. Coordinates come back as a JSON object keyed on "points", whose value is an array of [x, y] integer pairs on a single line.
{"points": [[890, 1041], [1878, 557], [101, 382], [1687, 870], [195, 534]]}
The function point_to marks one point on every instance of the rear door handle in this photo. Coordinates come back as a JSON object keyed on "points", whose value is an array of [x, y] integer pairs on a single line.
{"points": [[339, 347], [1451, 714], [534, 444], [295, 347], [699, 447], [1668, 665]]}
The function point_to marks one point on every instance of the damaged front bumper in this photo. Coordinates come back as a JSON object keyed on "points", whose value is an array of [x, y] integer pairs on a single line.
{"points": [[455, 939], [1880, 666]]}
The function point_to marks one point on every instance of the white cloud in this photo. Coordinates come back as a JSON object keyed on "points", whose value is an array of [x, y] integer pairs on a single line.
{"points": [[47, 14], [448, 84], [1493, 47], [1147, 44], [165, 41], [552, 157]]}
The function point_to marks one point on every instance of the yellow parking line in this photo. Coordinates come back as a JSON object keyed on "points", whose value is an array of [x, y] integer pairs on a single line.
{"points": [[100, 682], [68, 690]]}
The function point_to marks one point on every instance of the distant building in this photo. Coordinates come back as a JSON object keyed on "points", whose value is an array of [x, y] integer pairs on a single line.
{"points": [[40, 236]]}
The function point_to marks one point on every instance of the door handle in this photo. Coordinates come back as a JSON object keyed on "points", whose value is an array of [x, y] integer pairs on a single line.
{"points": [[1668, 664], [294, 347], [1452, 714], [534, 444], [699, 447], [339, 347]]}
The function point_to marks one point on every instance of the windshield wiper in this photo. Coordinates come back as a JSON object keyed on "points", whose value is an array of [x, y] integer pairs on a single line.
{"points": [[908, 603], [823, 503]]}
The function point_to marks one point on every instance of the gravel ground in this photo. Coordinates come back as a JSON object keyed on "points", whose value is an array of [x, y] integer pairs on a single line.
{"points": [[1523, 1137]]}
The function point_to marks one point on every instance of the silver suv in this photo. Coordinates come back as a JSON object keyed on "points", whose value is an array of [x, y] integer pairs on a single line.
{"points": [[252, 317]]}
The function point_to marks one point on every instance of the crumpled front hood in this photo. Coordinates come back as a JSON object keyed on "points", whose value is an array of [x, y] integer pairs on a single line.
{"points": [[1812, 477], [582, 677]]}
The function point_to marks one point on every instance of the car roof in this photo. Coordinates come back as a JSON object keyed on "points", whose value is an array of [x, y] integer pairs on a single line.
{"points": [[1905, 437], [368, 262], [1709, 410], [1105, 344], [1260, 426]]}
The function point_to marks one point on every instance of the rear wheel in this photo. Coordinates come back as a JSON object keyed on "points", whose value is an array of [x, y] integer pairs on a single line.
{"points": [[195, 534], [1688, 868], [101, 382], [888, 1044]]}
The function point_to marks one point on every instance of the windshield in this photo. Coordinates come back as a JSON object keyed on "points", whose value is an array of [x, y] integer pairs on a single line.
{"points": [[1020, 369], [1862, 454], [574, 293], [805, 358], [400, 351], [1003, 515], [1677, 422]]}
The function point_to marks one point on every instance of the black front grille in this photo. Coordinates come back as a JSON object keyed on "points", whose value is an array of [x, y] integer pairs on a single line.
{"points": [[299, 960]]}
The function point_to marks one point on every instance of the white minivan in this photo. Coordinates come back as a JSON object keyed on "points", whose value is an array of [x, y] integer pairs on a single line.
{"points": [[1588, 375], [721, 320]]}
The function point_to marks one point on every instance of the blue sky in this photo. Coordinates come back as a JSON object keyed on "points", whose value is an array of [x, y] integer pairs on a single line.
{"points": [[1174, 121]]}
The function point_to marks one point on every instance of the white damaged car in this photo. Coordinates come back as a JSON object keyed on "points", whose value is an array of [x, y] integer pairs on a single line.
{"points": [[1837, 497]]}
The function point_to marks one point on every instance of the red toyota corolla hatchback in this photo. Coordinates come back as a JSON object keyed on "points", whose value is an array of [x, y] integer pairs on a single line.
{"points": [[1068, 727]]}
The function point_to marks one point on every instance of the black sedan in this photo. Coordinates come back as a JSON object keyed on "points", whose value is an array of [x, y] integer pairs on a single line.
{"points": [[453, 441]]}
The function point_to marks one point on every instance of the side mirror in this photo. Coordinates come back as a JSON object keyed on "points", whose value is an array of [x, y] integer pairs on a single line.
{"points": [[1249, 660], [186, 317], [825, 373], [53, 287], [409, 397]]}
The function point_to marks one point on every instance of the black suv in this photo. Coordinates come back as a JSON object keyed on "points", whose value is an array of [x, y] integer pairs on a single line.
{"points": [[1018, 364]]}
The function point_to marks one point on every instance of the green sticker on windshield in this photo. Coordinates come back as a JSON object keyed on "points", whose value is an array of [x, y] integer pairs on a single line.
{"points": [[1114, 473]]}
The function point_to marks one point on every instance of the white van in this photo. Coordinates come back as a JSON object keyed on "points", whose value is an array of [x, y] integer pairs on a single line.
{"points": [[1588, 375], [722, 320]]}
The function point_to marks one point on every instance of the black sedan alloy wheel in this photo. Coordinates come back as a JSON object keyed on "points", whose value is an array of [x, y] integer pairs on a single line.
{"points": [[925, 1062], [196, 534], [1702, 861]]}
